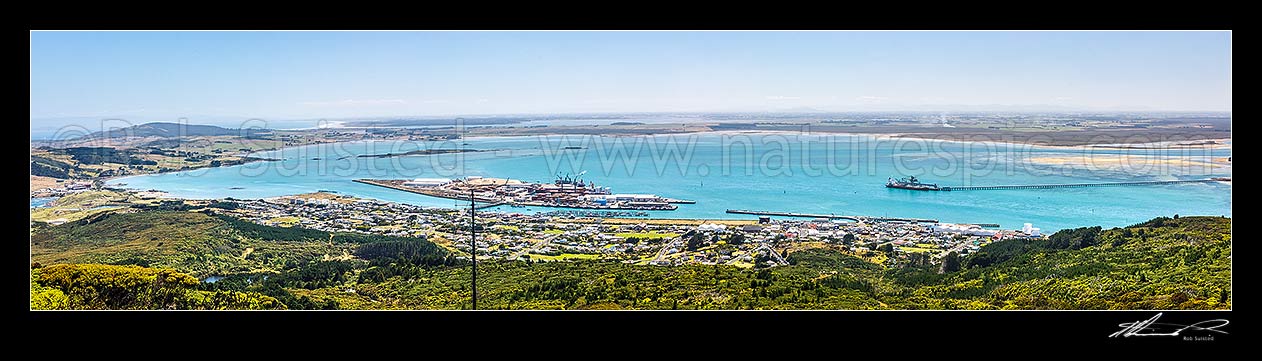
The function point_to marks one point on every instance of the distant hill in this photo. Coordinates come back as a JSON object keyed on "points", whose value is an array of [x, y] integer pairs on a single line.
{"points": [[173, 130]]}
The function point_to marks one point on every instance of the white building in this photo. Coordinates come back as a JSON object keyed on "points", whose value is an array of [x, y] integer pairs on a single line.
{"points": [[966, 229], [1030, 230], [427, 182]]}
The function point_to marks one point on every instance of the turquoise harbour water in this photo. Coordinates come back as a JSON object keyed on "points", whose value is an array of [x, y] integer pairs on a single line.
{"points": [[827, 174]]}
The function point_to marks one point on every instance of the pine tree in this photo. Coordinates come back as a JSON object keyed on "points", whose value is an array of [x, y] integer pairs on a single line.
{"points": [[951, 262]]}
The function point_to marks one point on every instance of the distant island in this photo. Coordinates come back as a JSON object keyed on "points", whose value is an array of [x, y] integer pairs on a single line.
{"points": [[432, 122], [420, 152]]}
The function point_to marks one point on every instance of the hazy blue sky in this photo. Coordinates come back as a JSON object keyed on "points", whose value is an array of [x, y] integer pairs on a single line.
{"points": [[281, 75]]}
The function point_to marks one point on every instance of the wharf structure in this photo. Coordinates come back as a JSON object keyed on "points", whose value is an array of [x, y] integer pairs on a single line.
{"points": [[564, 193]]}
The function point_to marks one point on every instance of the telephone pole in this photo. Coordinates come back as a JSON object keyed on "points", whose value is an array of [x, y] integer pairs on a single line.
{"points": [[473, 246]]}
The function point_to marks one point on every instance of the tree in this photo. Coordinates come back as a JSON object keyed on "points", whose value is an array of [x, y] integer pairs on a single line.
{"points": [[761, 260], [736, 239], [696, 241], [918, 259], [951, 262]]}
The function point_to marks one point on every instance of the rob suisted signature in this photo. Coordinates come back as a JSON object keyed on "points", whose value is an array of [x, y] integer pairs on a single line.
{"points": [[1151, 327]]}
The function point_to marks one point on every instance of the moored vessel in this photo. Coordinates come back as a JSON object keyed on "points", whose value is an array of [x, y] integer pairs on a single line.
{"points": [[911, 183]]}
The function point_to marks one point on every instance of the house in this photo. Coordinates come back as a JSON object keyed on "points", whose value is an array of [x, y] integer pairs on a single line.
{"points": [[712, 227]]}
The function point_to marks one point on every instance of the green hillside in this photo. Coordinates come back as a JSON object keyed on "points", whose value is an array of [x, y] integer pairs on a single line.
{"points": [[1162, 264], [1180, 263], [192, 242]]}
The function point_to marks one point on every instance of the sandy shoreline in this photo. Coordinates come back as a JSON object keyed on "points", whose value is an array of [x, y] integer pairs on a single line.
{"points": [[1128, 162], [1218, 143]]}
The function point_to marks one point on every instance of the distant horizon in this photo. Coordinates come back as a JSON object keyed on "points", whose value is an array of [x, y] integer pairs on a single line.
{"points": [[957, 108], [331, 74], [800, 110], [47, 131]]}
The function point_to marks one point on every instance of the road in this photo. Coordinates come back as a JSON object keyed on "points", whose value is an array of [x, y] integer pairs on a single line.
{"points": [[771, 251], [674, 243], [537, 246], [959, 247]]}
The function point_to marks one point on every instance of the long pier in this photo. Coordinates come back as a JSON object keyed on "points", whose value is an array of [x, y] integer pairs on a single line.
{"points": [[486, 202], [1075, 185], [493, 202], [830, 216]]}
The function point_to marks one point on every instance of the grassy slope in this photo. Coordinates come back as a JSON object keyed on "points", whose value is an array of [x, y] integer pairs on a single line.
{"points": [[195, 243], [78, 205]]}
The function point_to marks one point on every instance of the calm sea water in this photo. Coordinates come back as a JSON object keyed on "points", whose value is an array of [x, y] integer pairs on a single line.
{"points": [[827, 174]]}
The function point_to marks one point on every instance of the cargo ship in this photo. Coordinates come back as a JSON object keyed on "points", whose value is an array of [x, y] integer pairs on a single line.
{"points": [[577, 183], [911, 183]]}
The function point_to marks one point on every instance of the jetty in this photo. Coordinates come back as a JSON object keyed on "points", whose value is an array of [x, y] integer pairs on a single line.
{"points": [[831, 216], [678, 201]]}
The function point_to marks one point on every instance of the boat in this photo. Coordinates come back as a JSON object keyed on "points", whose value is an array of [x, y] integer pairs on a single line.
{"points": [[911, 183]]}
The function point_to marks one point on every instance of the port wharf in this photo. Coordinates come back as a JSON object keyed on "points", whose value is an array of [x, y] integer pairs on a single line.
{"points": [[566, 193], [440, 193], [831, 216]]}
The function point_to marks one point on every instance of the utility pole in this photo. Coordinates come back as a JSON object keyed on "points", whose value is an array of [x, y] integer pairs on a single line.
{"points": [[473, 246], [473, 233]]}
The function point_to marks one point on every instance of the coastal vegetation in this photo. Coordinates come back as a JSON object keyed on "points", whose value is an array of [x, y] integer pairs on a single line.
{"points": [[102, 287], [1165, 263]]}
